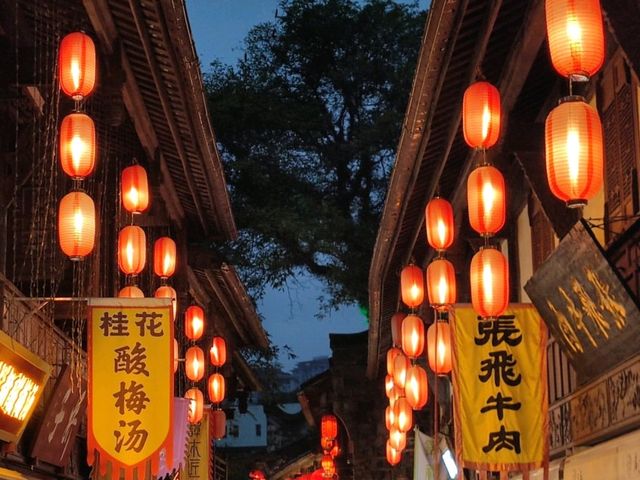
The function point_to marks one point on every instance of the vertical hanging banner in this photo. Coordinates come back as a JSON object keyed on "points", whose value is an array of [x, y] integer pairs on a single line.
{"points": [[198, 463], [500, 390], [130, 349]]}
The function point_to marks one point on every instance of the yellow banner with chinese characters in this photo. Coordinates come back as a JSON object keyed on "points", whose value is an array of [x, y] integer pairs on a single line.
{"points": [[130, 349], [500, 389], [198, 463]]}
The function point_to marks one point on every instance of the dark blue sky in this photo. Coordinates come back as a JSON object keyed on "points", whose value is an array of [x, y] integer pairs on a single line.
{"points": [[219, 27]]}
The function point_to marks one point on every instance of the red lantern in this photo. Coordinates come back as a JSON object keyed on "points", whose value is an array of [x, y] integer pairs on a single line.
{"points": [[77, 63], [164, 257], [166, 291], [218, 352], [397, 439], [326, 443], [194, 322], [439, 222], [394, 394], [194, 364], [400, 366], [329, 426], [441, 284], [176, 355], [256, 475], [216, 388], [389, 418], [132, 250], [486, 200], [396, 328], [481, 115], [135, 189], [412, 336], [393, 456], [77, 145], [131, 292], [439, 347], [417, 387], [388, 384], [489, 283], [196, 405], [392, 353], [76, 225], [219, 423], [403, 414], [328, 466], [574, 151], [412, 286], [576, 37]]}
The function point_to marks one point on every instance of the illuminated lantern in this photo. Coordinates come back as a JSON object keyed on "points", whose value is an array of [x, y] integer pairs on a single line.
{"points": [[397, 439], [132, 250], [574, 151], [196, 405], [328, 466], [576, 37], [176, 355], [326, 443], [412, 286], [256, 475], [394, 394], [439, 222], [392, 353], [216, 388], [396, 328], [416, 387], [219, 423], [77, 145], [135, 189], [218, 352], [164, 257], [76, 225], [481, 115], [486, 200], [389, 418], [329, 426], [131, 292], [77, 63], [489, 283], [441, 284], [194, 364], [412, 336], [388, 384], [166, 291], [400, 366], [403, 414], [439, 347], [393, 456], [194, 322]]}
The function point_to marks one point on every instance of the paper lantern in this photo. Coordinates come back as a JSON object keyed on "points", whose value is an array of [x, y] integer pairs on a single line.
{"points": [[393, 456], [218, 352], [326, 443], [164, 257], [194, 364], [439, 347], [391, 355], [400, 366], [176, 355], [257, 475], [389, 418], [439, 223], [219, 423], [132, 250], [576, 37], [397, 439], [216, 388], [441, 284], [328, 466], [388, 384], [77, 145], [481, 115], [196, 405], [131, 292], [394, 394], [489, 283], [135, 189], [412, 336], [412, 286], [76, 225], [165, 291], [416, 387], [77, 64], [194, 322], [486, 200], [396, 328], [329, 426], [403, 413], [574, 152]]}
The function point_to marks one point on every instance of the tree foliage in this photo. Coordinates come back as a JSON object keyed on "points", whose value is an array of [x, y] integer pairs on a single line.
{"points": [[308, 122]]}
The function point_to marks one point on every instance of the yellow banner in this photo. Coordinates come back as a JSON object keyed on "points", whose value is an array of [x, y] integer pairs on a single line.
{"points": [[500, 389], [130, 384], [198, 462]]}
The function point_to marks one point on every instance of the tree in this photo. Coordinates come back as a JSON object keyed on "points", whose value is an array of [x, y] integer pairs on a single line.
{"points": [[308, 123]]}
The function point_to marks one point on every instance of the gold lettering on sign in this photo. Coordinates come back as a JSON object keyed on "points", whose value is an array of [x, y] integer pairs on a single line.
{"points": [[577, 317], [569, 334], [607, 302], [17, 392], [591, 308]]}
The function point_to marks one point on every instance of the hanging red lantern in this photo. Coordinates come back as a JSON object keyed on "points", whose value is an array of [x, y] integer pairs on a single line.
{"points": [[441, 284], [132, 250], [397, 439], [396, 328], [196, 405], [412, 336], [416, 387], [393, 456], [574, 151], [389, 418], [219, 423], [164, 257], [391, 355], [328, 466], [439, 222], [481, 115], [394, 394], [77, 145], [194, 322], [176, 355], [77, 63], [218, 352], [135, 189], [439, 347], [257, 475], [194, 364], [489, 283], [576, 37], [76, 225], [412, 286], [403, 414], [326, 443], [131, 292], [400, 366], [216, 388], [329, 426], [165, 291], [486, 199], [388, 384]]}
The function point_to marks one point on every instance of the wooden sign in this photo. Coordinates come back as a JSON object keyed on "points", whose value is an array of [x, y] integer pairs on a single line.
{"points": [[198, 462], [585, 304]]}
